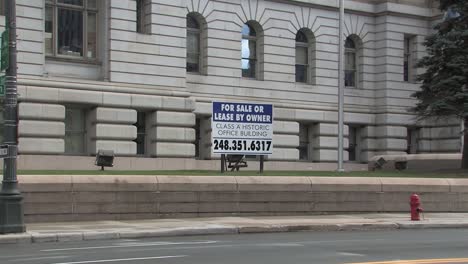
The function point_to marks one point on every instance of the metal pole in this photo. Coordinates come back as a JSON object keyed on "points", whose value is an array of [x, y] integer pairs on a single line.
{"points": [[340, 87], [11, 207]]}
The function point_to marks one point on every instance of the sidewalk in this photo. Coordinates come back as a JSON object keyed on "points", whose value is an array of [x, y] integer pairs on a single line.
{"points": [[103, 230]]}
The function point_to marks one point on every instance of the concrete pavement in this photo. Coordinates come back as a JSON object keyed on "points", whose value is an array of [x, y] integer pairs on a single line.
{"points": [[106, 230]]}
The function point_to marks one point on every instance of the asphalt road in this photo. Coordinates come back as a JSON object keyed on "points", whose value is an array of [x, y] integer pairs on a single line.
{"points": [[277, 248]]}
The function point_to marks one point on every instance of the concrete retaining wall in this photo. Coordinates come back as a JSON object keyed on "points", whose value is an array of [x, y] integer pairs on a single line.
{"points": [[89, 197]]}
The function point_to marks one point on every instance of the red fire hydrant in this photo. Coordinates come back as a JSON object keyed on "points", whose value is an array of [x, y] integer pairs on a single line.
{"points": [[415, 202]]}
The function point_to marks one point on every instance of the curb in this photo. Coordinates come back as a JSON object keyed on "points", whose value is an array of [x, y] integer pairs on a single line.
{"points": [[34, 237]]}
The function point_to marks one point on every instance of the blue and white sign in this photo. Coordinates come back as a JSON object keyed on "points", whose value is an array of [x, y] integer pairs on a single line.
{"points": [[241, 128]]}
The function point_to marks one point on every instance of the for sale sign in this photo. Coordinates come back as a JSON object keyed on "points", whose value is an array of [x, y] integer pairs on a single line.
{"points": [[242, 128]]}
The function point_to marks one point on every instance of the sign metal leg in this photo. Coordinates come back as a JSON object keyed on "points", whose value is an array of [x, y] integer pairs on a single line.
{"points": [[223, 162]]}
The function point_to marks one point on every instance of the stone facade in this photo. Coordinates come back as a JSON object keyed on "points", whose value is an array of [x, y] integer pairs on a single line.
{"points": [[138, 99]]}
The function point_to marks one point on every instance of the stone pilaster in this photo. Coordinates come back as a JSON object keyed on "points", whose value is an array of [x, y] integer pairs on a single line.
{"points": [[325, 142], [41, 128], [445, 138], [285, 141], [112, 129], [171, 134]]}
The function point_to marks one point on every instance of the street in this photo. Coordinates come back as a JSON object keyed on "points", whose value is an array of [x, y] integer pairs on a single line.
{"points": [[277, 248]]}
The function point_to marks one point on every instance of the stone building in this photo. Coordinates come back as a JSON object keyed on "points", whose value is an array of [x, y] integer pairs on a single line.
{"points": [[138, 76]]}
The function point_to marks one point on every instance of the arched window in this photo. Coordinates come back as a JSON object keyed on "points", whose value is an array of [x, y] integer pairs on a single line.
{"points": [[302, 57], [350, 63], [193, 44], [249, 51]]}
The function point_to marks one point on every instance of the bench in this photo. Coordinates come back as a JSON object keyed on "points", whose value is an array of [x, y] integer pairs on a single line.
{"points": [[235, 162]]}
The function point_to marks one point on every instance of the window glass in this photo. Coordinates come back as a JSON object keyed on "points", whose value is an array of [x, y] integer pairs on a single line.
{"points": [[140, 15], [301, 64], [71, 2], [301, 73], [248, 68], [248, 58], [70, 28], [350, 63], [193, 45], [350, 59], [301, 37], [70, 32], [247, 30], [302, 56], [249, 51], [350, 43], [407, 56], [48, 31], [92, 35], [192, 22], [75, 131]]}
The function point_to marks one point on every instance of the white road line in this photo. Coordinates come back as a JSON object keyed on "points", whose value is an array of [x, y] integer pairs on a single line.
{"points": [[278, 245], [119, 260], [350, 254], [39, 258], [132, 245]]}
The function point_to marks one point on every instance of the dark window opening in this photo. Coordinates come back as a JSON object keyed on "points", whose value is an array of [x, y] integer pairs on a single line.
{"points": [[75, 131], [141, 133], [143, 13], [304, 142], [412, 140], [407, 59], [353, 144], [198, 139]]}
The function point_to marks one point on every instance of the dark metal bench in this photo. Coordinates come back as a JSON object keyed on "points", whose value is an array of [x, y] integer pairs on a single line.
{"points": [[235, 162]]}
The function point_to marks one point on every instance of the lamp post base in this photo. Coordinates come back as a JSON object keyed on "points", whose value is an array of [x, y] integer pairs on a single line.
{"points": [[11, 214]]}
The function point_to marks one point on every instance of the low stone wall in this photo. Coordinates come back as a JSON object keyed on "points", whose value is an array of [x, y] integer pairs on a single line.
{"points": [[69, 198], [67, 163]]}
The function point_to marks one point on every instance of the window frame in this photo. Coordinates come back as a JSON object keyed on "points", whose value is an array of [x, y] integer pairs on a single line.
{"points": [[85, 10], [303, 45], [353, 51], [255, 59], [408, 48], [198, 33]]}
